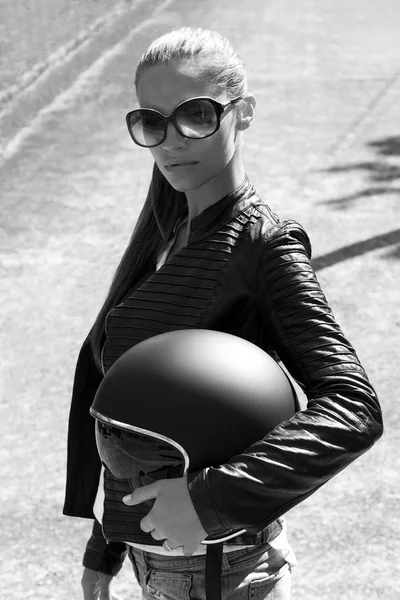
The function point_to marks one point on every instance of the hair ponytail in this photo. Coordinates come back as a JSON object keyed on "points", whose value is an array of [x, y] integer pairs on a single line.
{"points": [[164, 204], [152, 231]]}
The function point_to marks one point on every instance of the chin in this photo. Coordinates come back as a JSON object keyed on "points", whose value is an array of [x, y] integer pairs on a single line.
{"points": [[190, 181], [180, 184]]}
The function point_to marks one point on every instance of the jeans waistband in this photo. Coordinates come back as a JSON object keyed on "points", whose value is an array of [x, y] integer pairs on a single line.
{"points": [[184, 563]]}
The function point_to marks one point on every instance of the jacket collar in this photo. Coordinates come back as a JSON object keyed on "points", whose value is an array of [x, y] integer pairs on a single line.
{"points": [[221, 212]]}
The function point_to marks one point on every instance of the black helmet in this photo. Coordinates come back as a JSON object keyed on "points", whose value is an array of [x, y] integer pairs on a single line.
{"points": [[193, 397], [185, 400]]}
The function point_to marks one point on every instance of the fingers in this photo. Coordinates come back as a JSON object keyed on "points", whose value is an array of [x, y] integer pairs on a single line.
{"points": [[146, 524], [96, 585], [189, 549], [147, 492], [105, 586], [157, 536], [90, 584], [168, 545]]}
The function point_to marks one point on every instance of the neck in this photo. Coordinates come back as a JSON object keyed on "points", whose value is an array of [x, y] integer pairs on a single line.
{"points": [[216, 188]]}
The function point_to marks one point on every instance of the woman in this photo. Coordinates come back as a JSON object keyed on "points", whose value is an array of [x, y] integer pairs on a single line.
{"points": [[207, 252]]}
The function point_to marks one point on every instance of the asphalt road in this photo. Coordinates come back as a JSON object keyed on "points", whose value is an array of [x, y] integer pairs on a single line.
{"points": [[324, 149]]}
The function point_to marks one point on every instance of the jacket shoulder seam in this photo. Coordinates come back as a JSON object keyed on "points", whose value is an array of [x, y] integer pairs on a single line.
{"points": [[277, 230]]}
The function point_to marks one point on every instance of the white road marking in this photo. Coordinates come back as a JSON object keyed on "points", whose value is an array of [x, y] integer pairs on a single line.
{"points": [[65, 98]]}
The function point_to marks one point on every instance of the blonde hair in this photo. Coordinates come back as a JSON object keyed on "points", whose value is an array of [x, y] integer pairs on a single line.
{"points": [[163, 203], [223, 63]]}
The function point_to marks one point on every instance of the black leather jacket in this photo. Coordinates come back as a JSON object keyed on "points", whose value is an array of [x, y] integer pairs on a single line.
{"points": [[246, 273]]}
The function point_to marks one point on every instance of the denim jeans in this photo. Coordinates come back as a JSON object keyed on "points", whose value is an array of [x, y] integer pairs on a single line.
{"points": [[257, 573]]}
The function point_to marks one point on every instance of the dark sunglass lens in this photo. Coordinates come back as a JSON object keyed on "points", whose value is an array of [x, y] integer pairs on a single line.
{"points": [[197, 118], [146, 127]]}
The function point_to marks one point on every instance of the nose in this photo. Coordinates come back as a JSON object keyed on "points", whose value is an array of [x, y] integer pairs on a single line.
{"points": [[174, 140]]}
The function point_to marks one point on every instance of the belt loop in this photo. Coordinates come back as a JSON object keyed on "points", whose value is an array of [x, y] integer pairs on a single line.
{"points": [[226, 565], [147, 574], [147, 568]]}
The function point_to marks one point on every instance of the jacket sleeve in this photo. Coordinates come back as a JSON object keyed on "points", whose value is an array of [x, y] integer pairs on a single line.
{"points": [[83, 466], [342, 419], [83, 462], [102, 556]]}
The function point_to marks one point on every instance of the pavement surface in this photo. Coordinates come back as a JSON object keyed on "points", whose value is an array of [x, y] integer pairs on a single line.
{"points": [[324, 149]]}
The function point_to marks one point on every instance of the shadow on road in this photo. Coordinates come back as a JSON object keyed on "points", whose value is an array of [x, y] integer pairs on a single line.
{"points": [[381, 173], [358, 248], [382, 176]]}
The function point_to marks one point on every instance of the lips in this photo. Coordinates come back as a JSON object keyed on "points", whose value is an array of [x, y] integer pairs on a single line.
{"points": [[173, 164]]}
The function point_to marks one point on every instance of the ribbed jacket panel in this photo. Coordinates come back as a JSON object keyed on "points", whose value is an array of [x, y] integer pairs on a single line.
{"points": [[176, 296]]}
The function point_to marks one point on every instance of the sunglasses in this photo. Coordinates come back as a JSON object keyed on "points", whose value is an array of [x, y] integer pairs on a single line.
{"points": [[195, 119]]}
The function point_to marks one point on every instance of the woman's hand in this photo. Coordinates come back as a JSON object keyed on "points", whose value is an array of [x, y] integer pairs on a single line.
{"points": [[173, 516], [97, 586]]}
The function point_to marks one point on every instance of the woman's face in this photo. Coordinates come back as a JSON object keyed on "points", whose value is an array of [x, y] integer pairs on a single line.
{"points": [[163, 87]]}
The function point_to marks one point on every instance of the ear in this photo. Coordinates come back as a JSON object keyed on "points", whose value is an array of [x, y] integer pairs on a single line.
{"points": [[246, 112]]}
